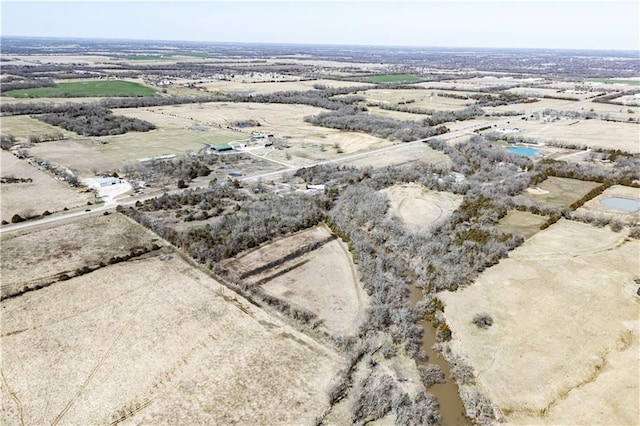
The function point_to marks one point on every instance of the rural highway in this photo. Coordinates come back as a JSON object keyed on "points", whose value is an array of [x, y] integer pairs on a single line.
{"points": [[291, 169]]}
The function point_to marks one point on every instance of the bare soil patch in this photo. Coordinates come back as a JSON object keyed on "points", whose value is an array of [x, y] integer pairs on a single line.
{"points": [[559, 192], [321, 279], [419, 208], [155, 342], [44, 192], [40, 254], [564, 339]]}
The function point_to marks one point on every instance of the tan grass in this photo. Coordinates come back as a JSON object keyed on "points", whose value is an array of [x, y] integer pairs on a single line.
{"points": [[565, 328], [43, 193]]}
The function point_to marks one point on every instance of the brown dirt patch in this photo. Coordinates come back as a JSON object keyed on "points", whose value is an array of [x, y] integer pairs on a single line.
{"points": [[420, 208]]}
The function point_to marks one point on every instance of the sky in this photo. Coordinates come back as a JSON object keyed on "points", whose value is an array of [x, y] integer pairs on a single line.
{"points": [[579, 24]]}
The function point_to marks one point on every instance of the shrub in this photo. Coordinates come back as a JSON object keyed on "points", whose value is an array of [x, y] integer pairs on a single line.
{"points": [[431, 374], [17, 218], [483, 320]]}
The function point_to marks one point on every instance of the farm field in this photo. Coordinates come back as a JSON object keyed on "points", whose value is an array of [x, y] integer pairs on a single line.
{"points": [[153, 341], [535, 365], [419, 208], [558, 192], [592, 133], [91, 88], [18, 198], [521, 223], [66, 247], [81, 156], [23, 126], [628, 82], [259, 88], [322, 280], [390, 78], [404, 153], [416, 99], [595, 206]]}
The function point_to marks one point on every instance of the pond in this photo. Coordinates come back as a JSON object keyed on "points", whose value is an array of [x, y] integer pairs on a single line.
{"points": [[524, 151], [625, 204]]}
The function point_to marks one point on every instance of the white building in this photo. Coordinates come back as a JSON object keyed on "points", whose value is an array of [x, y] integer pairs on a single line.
{"points": [[108, 181]]}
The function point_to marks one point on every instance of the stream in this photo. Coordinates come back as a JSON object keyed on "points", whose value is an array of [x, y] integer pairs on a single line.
{"points": [[451, 407]]}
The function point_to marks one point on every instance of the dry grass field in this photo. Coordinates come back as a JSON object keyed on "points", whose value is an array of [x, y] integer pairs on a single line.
{"points": [[155, 342], [23, 126], [43, 193], [81, 156], [537, 366], [521, 223], [397, 115], [322, 280], [419, 208], [617, 191], [558, 192], [41, 253], [592, 133], [249, 88], [418, 99], [402, 154]]}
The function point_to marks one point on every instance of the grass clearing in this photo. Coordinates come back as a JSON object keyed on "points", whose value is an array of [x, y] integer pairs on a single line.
{"points": [[154, 342], [559, 192], [537, 366], [91, 88], [322, 280], [521, 223], [419, 208], [44, 192]]}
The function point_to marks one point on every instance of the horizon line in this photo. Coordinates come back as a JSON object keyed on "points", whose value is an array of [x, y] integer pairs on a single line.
{"points": [[316, 44]]}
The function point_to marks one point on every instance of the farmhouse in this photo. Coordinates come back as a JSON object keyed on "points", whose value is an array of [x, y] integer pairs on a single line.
{"points": [[108, 181]]}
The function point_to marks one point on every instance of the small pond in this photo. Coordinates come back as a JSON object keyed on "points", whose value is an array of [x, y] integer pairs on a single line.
{"points": [[524, 151], [625, 204]]}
